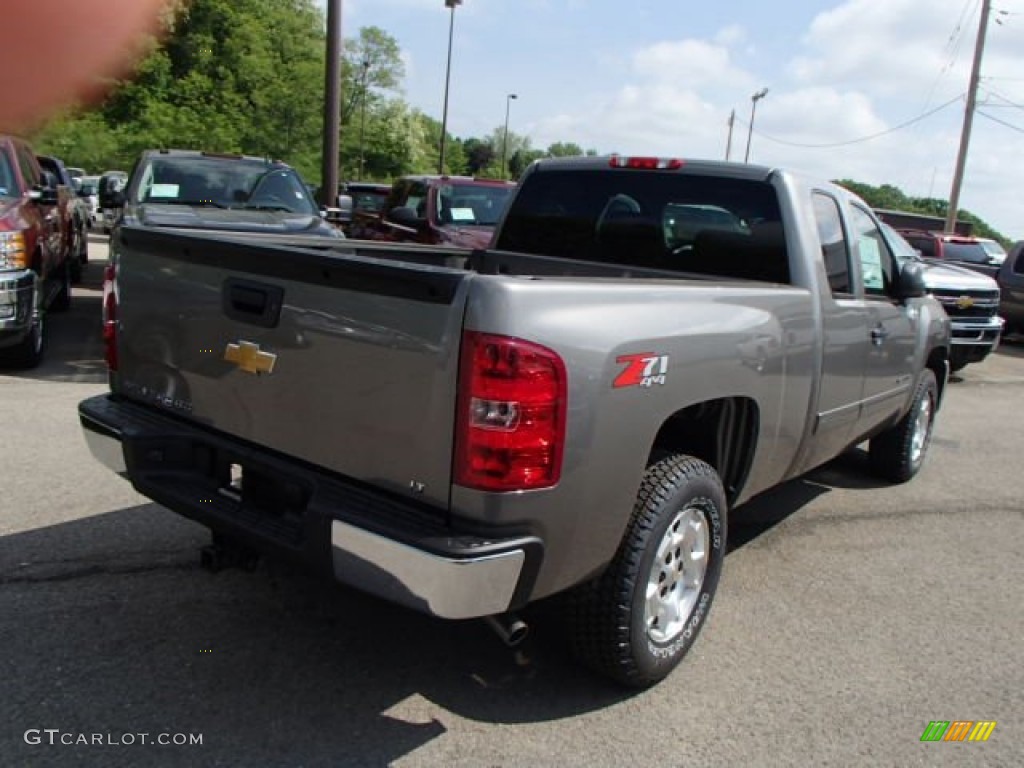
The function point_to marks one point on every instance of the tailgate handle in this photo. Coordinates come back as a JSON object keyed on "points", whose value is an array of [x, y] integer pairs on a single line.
{"points": [[250, 302]]}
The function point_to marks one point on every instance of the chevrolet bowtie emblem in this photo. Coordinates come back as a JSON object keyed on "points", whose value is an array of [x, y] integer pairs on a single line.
{"points": [[249, 358], [965, 302]]}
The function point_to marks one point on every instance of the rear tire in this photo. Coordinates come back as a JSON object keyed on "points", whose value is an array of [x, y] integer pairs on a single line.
{"points": [[636, 621], [898, 453]]}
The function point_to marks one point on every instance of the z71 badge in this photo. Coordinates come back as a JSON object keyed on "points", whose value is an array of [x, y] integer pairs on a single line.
{"points": [[644, 369]]}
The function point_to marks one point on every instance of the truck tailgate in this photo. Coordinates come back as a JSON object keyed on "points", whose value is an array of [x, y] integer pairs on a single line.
{"points": [[347, 362]]}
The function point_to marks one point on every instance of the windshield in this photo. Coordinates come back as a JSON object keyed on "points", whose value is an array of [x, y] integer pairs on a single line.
{"points": [[222, 182], [8, 186], [995, 250], [90, 185], [471, 204], [972, 253]]}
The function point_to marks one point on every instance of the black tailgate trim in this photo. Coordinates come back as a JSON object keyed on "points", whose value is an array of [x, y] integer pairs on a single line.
{"points": [[305, 263]]}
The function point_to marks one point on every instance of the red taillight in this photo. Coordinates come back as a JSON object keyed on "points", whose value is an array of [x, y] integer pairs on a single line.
{"points": [[110, 315], [510, 426], [646, 163]]}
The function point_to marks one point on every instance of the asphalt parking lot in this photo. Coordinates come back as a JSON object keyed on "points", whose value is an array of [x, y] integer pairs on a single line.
{"points": [[851, 614]]}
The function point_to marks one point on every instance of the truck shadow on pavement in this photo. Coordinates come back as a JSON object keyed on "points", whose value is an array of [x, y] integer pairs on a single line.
{"points": [[119, 630]]}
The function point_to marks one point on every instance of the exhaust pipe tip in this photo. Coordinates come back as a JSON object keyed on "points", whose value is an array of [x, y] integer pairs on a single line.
{"points": [[510, 628]]}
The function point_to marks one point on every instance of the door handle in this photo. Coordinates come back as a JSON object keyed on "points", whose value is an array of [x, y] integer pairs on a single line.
{"points": [[879, 334], [251, 302]]}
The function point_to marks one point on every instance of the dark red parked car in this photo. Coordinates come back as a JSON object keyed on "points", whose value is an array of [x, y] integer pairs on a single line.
{"points": [[438, 210]]}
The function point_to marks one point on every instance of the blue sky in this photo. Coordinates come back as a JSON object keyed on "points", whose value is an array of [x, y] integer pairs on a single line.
{"points": [[662, 76]]}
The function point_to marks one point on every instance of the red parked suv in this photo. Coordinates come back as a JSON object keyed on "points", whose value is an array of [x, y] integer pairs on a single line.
{"points": [[438, 210], [34, 272]]}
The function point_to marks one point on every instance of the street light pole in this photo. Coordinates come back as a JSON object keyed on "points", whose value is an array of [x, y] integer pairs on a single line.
{"points": [[504, 142], [750, 128], [447, 79], [362, 116]]}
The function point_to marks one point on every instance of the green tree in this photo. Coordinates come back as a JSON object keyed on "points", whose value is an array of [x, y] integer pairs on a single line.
{"points": [[564, 149]]}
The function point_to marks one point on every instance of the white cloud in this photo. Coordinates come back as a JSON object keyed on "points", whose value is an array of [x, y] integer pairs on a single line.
{"points": [[861, 70], [692, 64]]}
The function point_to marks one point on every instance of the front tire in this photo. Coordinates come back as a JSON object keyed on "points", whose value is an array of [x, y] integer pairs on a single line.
{"points": [[636, 621], [28, 353], [898, 453]]}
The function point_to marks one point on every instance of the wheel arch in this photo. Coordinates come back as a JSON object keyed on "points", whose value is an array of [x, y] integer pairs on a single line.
{"points": [[722, 432]]}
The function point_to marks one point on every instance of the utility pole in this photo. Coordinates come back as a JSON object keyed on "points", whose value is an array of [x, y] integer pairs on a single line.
{"points": [[332, 106], [965, 134], [728, 142]]}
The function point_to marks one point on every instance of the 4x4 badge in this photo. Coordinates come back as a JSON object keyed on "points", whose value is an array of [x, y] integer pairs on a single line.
{"points": [[250, 358]]}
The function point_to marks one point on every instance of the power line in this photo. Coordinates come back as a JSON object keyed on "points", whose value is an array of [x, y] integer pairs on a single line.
{"points": [[1002, 98], [1001, 122], [862, 139]]}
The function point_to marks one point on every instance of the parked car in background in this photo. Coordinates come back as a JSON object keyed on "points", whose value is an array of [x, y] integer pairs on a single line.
{"points": [[438, 210], [74, 216], [88, 191], [1011, 286], [76, 173], [110, 183], [967, 251], [199, 190], [35, 276], [362, 199], [970, 299]]}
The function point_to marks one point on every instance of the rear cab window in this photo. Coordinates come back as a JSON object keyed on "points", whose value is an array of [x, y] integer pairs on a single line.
{"points": [[683, 222]]}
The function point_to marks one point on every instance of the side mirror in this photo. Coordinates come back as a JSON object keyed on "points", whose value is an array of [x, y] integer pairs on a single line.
{"points": [[910, 281], [45, 192], [405, 216]]}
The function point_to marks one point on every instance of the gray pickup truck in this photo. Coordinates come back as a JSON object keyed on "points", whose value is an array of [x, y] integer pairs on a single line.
{"points": [[649, 343]]}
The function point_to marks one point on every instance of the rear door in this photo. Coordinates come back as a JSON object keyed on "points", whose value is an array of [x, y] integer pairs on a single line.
{"points": [[348, 363]]}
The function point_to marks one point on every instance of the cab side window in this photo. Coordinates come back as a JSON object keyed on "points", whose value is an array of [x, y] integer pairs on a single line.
{"points": [[834, 248], [877, 267], [29, 168], [1018, 266]]}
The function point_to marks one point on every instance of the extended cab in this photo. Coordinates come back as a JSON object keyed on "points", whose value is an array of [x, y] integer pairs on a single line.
{"points": [[436, 210], [573, 412], [35, 275]]}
